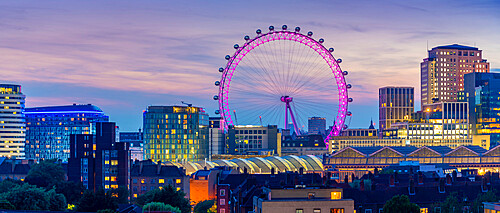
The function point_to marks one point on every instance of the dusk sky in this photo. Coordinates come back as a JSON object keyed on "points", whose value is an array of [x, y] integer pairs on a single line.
{"points": [[123, 56]]}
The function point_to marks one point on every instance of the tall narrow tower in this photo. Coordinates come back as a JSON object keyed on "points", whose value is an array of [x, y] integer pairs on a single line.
{"points": [[395, 105], [12, 123]]}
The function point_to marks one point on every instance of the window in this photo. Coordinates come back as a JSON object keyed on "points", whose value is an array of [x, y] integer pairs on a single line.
{"points": [[317, 211], [310, 195], [161, 180], [222, 211], [336, 195], [178, 181], [368, 211], [336, 210], [299, 210], [134, 180], [222, 202], [222, 192]]}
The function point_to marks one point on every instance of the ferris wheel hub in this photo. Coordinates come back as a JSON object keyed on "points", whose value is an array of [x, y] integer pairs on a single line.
{"points": [[286, 99]]}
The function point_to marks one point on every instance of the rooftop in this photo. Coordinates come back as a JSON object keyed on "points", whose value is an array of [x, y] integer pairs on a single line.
{"points": [[67, 108], [456, 46]]}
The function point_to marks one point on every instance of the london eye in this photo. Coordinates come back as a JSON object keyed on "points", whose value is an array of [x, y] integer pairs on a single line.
{"points": [[283, 77]]}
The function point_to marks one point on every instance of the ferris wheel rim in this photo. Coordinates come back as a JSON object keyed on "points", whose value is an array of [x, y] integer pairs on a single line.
{"points": [[276, 35]]}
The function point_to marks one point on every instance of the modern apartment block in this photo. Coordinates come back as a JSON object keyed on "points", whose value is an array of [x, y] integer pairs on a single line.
{"points": [[97, 160], [253, 139], [482, 93], [442, 72], [216, 137], [316, 125], [395, 105], [12, 121], [48, 129], [175, 133], [136, 143]]}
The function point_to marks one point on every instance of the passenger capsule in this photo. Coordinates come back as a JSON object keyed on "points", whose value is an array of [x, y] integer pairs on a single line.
{"points": [[310, 33], [345, 73], [227, 57], [349, 113], [297, 29], [349, 86], [221, 69], [236, 46], [321, 40], [247, 38], [349, 99], [271, 28], [339, 61], [217, 112], [216, 97], [284, 27], [331, 49], [217, 83], [258, 31], [345, 127]]}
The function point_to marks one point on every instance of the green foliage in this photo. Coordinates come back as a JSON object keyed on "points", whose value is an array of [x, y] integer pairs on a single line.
{"points": [[71, 190], [28, 197], [452, 204], [5, 204], [106, 211], [355, 184], [489, 196], [121, 194], [157, 206], [93, 202], [167, 195], [204, 206], [9, 184], [400, 204], [47, 174], [386, 171], [213, 209]]}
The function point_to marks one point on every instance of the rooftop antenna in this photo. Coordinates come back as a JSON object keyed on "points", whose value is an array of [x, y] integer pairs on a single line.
{"points": [[187, 104], [235, 118], [427, 45]]}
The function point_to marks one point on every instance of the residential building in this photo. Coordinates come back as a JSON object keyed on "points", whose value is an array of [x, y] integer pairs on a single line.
{"points": [[12, 121], [175, 133], [442, 72], [135, 141], [97, 160], [147, 175], [48, 129], [203, 183], [304, 145], [15, 169], [303, 200], [217, 145], [252, 139], [316, 125], [482, 93], [491, 207], [395, 105]]}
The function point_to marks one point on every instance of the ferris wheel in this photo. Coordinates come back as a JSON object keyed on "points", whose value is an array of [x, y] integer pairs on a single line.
{"points": [[283, 77]]}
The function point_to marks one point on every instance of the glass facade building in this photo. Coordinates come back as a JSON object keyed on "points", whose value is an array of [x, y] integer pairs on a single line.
{"points": [[175, 133], [395, 105], [12, 126], [316, 125], [482, 92], [48, 129]]}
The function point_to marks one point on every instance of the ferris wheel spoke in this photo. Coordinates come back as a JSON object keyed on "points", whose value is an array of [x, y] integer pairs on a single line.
{"points": [[269, 79], [264, 67], [277, 74]]}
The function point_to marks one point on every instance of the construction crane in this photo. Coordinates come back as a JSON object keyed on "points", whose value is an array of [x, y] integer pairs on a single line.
{"points": [[187, 104], [260, 118], [235, 118]]}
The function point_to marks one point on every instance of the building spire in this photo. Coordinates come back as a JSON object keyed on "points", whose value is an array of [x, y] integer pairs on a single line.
{"points": [[371, 124]]}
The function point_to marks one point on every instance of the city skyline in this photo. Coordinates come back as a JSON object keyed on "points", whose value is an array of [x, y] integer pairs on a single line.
{"points": [[92, 52]]}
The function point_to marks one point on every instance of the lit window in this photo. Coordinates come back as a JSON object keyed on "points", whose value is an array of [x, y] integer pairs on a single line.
{"points": [[222, 202], [161, 180], [336, 195], [135, 195], [178, 188], [142, 180]]}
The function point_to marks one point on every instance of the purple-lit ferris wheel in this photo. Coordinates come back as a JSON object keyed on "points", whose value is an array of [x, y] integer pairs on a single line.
{"points": [[282, 75]]}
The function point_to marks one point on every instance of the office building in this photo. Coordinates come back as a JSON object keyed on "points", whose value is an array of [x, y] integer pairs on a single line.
{"points": [[48, 129], [217, 145], [253, 139], [304, 145], [135, 141], [316, 125], [482, 93], [147, 176], [175, 133], [442, 73], [395, 105], [12, 121], [97, 160]]}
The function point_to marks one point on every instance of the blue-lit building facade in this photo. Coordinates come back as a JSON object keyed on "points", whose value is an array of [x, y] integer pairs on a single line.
{"points": [[482, 92], [48, 129], [12, 126], [175, 133]]}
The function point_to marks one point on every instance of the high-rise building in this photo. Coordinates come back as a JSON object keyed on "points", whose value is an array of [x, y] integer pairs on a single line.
{"points": [[97, 160], [135, 141], [217, 140], [316, 125], [253, 139], [395, 105], [48, 129], [12, 123], [175, 133], [482, 92], [442, 73]]}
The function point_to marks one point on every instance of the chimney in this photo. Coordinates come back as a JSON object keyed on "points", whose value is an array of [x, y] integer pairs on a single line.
{"points": [[301, 170], [448, 179], [346, 179], [272, 171], [158, 168], [140, 167], [488, 178], [375, 172], [441, 187], [362, 185], [420, 178], [484, 186], [392, 181], [411, 187], [396, 178], [353, 177], [245, 170], [454, 175]]}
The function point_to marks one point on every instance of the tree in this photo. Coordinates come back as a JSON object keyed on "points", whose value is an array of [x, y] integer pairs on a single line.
{"points": [[121, 194], [204, 206], [157, 206], [71, 190], [28, 197], [167, 195], [400, 204], [46, 174], [489, 196], [93, 202], [452, 204], [8, 184]]}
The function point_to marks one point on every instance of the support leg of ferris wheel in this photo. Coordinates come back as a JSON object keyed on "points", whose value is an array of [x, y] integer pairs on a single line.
{"points": [[288, 108], [295, 126]]}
